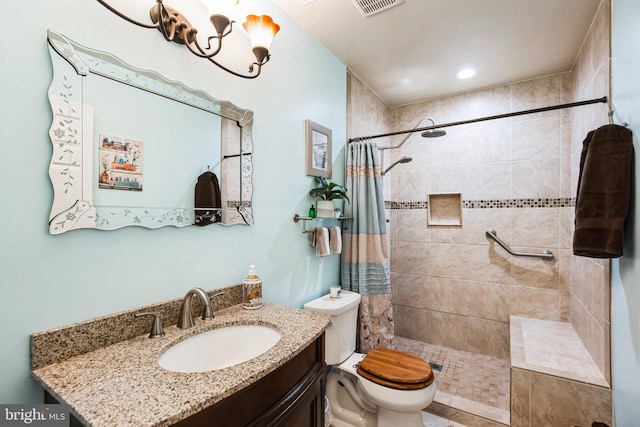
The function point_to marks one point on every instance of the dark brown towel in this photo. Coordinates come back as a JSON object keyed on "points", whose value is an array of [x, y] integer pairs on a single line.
{"points": [[207, 195], [604, 186]]}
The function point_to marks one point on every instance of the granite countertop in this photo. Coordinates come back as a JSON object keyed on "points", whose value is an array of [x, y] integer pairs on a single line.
{"points": [[123, 385]]}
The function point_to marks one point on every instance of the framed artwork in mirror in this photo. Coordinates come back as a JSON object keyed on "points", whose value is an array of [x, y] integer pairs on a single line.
{"points": [[318, 143]]}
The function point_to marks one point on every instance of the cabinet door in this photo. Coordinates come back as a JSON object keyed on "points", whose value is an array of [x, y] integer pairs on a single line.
{"points": [[308, 412]]}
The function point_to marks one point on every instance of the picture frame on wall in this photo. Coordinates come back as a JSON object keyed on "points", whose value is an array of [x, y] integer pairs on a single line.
{"points": [[318, 143]]}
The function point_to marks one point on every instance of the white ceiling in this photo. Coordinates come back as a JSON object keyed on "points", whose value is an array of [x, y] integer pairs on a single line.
{"points": [[411, 52]]}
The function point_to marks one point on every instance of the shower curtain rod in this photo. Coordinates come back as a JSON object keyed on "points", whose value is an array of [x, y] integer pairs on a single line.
{"points": [[482, 119]]}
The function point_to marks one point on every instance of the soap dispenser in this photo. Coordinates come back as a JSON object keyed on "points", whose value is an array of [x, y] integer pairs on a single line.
{"points": [[252, 290]]}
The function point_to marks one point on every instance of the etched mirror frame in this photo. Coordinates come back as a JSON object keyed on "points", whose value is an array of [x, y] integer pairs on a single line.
{"points": [[71, 133]]}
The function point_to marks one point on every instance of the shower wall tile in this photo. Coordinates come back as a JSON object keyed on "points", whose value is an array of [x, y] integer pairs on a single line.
{"points": [[488, 300], [487, 265], [534, 272], [537, 138], [415, 146], [489, 142], [565, 177], [566, 88], [413, 257], [537, 93], [449, 233], [449, 296], [535, 227], [448, 330], [412, 290], [545, 400], [565, 134], [600, 31], [414, 323], [475, 299], [412, 226], [413, 181], [538, 178], [558, 402], [452, 150], [445, 261], [448, 179], [488, 181], [477, 221], [490, 102], [519, 407], [535, 302], [487, 337], [565, 284]]}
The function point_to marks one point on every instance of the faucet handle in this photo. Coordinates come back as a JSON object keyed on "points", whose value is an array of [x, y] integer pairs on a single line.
{"points": [[207, 312], [156, 327]]}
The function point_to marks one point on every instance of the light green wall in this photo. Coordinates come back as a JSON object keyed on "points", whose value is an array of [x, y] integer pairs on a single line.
{"points": [[48, 281], [625, 272]]}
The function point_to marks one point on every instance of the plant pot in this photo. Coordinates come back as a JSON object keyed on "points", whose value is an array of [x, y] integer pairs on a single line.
{"points": [[325, 209]]}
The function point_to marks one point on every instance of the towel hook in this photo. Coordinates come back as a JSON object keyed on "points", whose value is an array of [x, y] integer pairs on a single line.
{"points": [[612, 122]]}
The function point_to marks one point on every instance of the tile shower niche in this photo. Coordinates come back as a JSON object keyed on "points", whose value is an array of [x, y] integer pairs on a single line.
{"points": [[444, 209]]}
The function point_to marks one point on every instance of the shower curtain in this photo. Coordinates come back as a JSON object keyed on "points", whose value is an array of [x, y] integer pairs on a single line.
{"points": [[365, 259]]}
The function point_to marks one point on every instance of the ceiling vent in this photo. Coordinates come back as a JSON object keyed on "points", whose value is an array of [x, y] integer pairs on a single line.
{"points": [[371, 7]]}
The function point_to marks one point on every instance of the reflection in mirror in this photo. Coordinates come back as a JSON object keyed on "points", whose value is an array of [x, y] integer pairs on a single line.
{"points": [[129, 145]]}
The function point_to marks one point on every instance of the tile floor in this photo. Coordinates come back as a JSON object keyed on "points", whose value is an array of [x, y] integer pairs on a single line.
{"points": [[471, 382], [431, 420]]}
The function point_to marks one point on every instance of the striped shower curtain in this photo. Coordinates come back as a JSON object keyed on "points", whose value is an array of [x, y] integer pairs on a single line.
{"points": [[365, 259]]}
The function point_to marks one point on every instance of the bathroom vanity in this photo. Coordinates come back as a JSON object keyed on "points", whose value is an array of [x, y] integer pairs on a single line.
{"points": [[122, 383]]}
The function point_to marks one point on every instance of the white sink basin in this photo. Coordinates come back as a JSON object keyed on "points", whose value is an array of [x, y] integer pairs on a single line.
{"points": [[219, 348]]}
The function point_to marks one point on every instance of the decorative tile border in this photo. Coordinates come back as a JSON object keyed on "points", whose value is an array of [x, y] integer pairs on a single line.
{"points": [[562, 202]]}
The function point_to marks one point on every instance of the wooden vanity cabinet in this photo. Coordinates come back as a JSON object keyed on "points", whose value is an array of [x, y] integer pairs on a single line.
{"points": [[290, 396]]}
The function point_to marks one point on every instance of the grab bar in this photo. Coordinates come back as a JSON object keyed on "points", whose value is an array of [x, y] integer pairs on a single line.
{"points": [[492, 233]]}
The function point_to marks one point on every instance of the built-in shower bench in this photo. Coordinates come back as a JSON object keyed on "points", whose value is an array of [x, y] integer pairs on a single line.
{"points": [[554, 380]]}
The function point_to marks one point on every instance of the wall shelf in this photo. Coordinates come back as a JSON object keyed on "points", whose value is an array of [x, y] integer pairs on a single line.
{"points": [[304, 219]]}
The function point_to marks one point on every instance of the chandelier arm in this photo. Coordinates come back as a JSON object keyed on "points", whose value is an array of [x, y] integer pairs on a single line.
{"points": [[249, 76], [219, 37], [126, 18], [201, 52]]}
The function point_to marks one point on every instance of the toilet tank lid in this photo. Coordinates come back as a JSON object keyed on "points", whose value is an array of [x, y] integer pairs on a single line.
{"points": [[334, 306]]}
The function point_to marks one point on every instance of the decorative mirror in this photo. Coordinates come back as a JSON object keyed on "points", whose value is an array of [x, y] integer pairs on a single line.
{"points": [[129, 146]]}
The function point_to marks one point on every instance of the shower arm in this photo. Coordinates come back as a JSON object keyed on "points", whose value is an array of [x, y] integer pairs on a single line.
{"points": [[415, 129]]}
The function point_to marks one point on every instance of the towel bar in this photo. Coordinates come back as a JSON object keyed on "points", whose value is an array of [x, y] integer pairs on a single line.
{"points": [[492, 233], [304, 220]]}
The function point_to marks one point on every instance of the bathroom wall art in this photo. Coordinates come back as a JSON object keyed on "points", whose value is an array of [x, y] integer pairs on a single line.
{"points": [[120, 165], [318, 140]]}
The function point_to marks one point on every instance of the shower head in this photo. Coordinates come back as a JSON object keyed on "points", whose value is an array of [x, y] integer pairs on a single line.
{"points": [[433, 133], [404, 159]]}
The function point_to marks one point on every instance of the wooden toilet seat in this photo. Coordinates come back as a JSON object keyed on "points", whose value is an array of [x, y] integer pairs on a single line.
{"points": [[396, 369]]}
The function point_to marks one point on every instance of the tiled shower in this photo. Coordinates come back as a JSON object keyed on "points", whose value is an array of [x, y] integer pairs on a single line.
{"points": [[455, 290]]}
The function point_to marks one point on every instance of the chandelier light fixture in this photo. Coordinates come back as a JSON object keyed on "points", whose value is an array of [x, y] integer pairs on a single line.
{"points": [[175, 27]]}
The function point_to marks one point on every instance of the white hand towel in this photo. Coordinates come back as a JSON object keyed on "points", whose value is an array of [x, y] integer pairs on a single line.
{"points": [[335, 239], [322, 241]]}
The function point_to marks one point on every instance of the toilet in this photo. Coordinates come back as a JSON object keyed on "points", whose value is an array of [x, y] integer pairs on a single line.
{"points": [[385, 388]]}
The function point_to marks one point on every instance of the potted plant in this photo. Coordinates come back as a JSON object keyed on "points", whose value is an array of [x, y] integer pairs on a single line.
{"points": [[327, 192]]}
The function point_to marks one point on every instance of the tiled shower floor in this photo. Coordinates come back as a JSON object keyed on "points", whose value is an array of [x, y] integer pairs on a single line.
{"points": [[474, 383]]}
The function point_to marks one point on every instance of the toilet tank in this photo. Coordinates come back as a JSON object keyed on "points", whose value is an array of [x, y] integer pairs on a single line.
{"points": [[340, 336]]}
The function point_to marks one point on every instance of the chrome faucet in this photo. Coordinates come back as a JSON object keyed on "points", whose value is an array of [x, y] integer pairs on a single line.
{"points": [[185, 319]]}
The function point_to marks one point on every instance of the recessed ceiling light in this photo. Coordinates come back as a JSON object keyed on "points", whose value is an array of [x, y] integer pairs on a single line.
{"points": [[465, 74]]}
